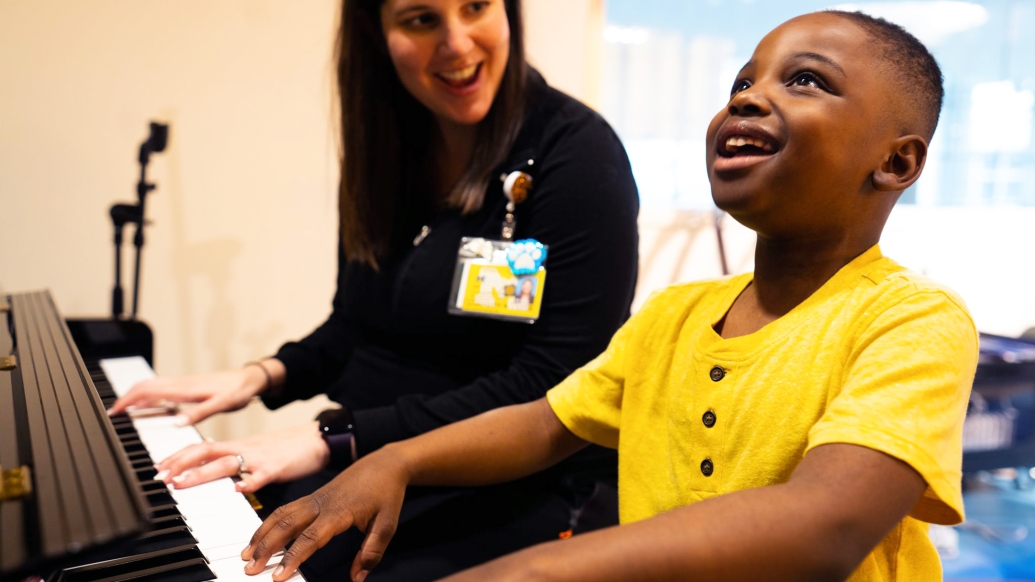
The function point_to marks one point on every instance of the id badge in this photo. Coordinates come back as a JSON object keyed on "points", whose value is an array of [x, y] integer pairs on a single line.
{"points": [[499, 279]]}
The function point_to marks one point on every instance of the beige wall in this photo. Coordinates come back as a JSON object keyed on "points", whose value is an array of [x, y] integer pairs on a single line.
{"points": [[241, 253]]}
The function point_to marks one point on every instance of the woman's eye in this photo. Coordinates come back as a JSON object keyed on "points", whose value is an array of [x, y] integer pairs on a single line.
{"points": [[423, 20], [477, 7], [739, 86]]}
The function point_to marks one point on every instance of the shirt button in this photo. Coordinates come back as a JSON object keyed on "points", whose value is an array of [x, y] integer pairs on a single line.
{"points": [[707, 467], [708, 419], [717, 373]]}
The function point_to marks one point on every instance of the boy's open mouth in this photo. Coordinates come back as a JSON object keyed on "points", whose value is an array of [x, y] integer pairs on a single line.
{"points": [[742, 145], [745, 146]]}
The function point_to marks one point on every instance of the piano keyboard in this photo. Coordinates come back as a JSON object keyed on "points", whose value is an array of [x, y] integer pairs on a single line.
{"points": [[197, 534]]}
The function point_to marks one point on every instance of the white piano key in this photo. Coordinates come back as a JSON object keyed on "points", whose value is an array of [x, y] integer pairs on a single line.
{"points": [[218, 489], [160, 447], [232, 570], [159, 423], [237, 525], [222, 502], [224, 551], [124, 373]]}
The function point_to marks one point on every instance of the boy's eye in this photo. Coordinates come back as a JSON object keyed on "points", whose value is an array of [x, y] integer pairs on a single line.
{"points": [[741, 85], [807, 79]]}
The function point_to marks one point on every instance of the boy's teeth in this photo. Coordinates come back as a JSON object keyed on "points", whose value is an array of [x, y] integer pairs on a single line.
{"points": [[736, 142], [459, 74]]}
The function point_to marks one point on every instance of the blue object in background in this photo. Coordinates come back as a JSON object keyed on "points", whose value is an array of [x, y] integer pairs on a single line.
{"points": [[983, 557]]}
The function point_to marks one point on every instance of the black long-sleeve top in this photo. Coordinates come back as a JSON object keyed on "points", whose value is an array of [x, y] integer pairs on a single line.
{"points": [[403, 365]]}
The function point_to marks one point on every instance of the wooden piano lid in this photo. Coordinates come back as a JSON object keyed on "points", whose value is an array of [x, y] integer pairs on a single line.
{"points": [[67, 486]]}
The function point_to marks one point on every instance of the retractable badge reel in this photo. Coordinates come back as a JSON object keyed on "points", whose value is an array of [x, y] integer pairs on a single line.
{"points": [[501, 279]]}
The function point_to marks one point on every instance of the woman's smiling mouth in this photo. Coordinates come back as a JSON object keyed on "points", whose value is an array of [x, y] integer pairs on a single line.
{"points": [[460, 78]]}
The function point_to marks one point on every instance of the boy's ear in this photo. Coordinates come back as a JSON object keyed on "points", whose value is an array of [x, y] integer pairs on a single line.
{"points": [[902, 166]]}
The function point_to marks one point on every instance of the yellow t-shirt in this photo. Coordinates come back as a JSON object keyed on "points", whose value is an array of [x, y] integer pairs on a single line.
{"points": [[878, 356]]}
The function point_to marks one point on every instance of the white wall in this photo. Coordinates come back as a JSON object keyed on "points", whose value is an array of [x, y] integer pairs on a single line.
{"points": [[241, 252]]}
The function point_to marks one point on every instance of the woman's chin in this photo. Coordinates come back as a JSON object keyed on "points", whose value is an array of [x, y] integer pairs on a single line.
{"points": [[471, 115]]}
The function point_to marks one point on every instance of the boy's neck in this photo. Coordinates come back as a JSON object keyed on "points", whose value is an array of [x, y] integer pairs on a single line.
{"points": [[787, 272]]}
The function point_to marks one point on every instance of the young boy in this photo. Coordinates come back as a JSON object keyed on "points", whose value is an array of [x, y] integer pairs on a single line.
{"points": [[800, 423]]}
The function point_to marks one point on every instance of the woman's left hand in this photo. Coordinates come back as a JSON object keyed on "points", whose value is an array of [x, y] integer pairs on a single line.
{"points": [[270, 458]]}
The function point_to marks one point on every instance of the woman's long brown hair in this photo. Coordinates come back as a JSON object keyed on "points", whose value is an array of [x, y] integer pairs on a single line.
{"points": [[385, 133]]}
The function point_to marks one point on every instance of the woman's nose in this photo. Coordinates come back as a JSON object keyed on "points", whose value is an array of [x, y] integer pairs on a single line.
{"points": [[457, 41]]}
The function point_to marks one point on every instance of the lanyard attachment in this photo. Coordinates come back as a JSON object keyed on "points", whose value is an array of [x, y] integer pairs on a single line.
{"points": [[515, 186]]}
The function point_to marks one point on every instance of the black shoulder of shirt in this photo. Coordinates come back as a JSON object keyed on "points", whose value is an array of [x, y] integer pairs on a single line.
{"points": [[551, 115]]}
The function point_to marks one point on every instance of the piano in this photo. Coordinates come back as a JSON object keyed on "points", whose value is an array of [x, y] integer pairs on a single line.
{"points": [[78, 501]]}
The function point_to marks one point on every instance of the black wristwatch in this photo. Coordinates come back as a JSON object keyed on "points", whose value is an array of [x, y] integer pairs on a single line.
{"points": [[336, 430]]}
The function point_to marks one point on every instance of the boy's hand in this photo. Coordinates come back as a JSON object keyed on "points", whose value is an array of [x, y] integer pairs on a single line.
{"points": [[368, 495]]}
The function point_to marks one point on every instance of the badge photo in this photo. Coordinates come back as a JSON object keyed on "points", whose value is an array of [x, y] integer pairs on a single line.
{"points": [[499, 279]]}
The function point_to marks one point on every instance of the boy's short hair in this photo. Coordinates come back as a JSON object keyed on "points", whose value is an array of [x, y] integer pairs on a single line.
{"points": [[918, 73]]}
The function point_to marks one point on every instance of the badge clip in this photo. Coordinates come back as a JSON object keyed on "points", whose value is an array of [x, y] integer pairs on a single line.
{"points": [[515, 187]]}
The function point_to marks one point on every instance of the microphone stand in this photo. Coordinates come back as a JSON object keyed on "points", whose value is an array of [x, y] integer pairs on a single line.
{"points": [[143, 187], [123, 214]]}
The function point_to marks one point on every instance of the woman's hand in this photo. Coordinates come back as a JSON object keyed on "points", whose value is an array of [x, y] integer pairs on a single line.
{"points": [[217, 392], [271, 458], [368, 495]]}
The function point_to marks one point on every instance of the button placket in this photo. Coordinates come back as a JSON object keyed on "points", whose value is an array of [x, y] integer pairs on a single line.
{"points": [[717, 387]]}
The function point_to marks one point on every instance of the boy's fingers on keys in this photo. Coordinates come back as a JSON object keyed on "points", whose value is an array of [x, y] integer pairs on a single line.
{"points": [[225, 466], [308, 541], [374, 546], [282, 526]]}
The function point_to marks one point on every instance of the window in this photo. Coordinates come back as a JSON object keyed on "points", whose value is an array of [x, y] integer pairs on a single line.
{"points": [[668, 66]]}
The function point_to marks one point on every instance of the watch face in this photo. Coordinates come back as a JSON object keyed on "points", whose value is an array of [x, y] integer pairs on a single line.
{"points": [[335, 421]]}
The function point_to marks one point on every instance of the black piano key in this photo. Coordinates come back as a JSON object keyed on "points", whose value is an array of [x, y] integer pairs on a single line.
{"points": [[158, 513], [133, 445], [156, 508], [169, 521], [163, 539], [157, 498], [144, 463], [175, 564]]}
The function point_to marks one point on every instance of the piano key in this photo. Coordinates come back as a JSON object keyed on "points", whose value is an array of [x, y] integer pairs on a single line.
{"points": [[133, 567], [232, 570], [124, 373], [213, 518]]}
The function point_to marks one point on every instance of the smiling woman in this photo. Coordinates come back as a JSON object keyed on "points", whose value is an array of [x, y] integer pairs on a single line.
{"points": [[437, 102], [474, 119]]}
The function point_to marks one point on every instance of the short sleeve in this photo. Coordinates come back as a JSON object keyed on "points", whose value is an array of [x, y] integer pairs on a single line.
{"points": [[905, 394], [589, 401]]}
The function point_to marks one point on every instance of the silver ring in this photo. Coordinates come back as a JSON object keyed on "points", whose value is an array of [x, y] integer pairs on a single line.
{"points": [[242, 467]]}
